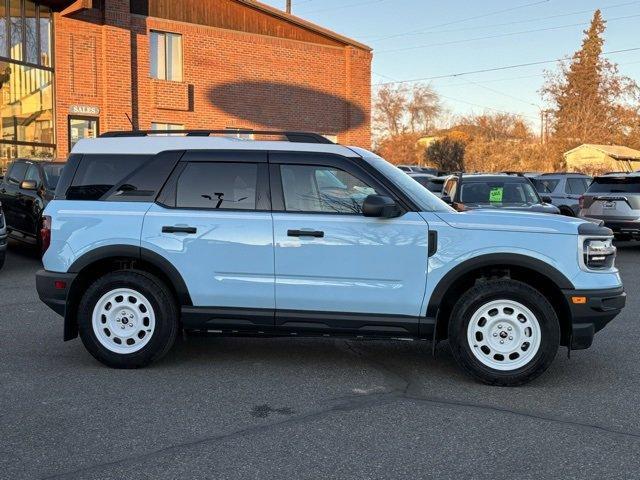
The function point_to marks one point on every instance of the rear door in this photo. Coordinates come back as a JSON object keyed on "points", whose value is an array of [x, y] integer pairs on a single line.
{"points": [[337, 270], [613, 199], [213, 223]]}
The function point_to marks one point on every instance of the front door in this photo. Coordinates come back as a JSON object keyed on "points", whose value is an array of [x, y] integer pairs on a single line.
{"points": [[214, 226], [336, 269]]}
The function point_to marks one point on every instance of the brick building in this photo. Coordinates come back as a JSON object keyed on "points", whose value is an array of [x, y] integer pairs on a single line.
{"points": [[71, 69]]}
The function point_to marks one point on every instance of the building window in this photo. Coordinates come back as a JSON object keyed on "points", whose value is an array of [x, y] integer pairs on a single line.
{"points": [[82, 127], [16, 21], [166, 56], [26, 82], [167, 126], [44, 34]]}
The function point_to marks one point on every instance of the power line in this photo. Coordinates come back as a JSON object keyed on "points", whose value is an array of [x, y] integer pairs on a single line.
{"points": [[495, 69], [499, 35], [482, 27], [475, 17], [469, 103]]}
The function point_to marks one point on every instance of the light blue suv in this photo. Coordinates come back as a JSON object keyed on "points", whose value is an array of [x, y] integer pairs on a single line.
{"points": [[150, 234]]}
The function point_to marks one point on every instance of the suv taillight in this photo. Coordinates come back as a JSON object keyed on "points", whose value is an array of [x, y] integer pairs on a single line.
{"points": [[581, 202], [45, 233]]}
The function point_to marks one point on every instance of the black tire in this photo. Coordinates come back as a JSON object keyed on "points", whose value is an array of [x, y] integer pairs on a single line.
{"points": [[2, 258], [164, 308], [513, 290], [567, 212]]}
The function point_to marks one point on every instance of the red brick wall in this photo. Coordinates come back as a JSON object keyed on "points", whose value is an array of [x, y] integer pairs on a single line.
{"points": [[231, 79]]}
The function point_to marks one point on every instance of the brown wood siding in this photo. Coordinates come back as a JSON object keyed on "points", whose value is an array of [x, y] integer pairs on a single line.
{"points": [[230, 15]]}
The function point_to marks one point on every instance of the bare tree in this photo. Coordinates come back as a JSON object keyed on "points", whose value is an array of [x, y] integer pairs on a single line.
{"points": [[389, 108]]}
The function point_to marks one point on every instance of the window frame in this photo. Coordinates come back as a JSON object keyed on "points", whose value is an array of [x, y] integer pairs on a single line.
{"points": [[567, 188], [80, 117], [277, 159], [166, 35]]}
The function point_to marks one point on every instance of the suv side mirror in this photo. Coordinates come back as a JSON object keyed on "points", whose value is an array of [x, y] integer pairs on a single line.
{"points": [[446, 199], [29, 185], [380, 206], [546, 199]]}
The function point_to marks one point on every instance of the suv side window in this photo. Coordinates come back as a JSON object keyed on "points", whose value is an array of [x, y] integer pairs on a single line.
{"points": [[17, 172], [322, 189], [32, 174], [97, 174], [576, 186], [545, 185], [450, 187], [218, 186]]}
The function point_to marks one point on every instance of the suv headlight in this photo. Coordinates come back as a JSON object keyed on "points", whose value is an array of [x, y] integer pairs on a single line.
{"points": [[597, 253]]}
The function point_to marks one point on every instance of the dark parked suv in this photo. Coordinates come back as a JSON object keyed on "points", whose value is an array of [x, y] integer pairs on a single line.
{"points": [[25, 191], [564, 190], [508, 192]]}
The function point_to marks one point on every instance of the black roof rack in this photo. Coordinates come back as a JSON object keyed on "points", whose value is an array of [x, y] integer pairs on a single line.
{"points": [[296, 137]]}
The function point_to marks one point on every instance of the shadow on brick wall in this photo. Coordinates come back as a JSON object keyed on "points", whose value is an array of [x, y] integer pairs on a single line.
{"points": [[283, 106]]}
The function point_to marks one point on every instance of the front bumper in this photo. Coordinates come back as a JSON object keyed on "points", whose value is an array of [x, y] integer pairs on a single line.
{"points": [[53, 289], [588, 318]]}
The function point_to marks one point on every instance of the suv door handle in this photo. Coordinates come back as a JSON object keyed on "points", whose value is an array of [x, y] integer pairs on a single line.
{"points": [[305, 233], [169, 229]]}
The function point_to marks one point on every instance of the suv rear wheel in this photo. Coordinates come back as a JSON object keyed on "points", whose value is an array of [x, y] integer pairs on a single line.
{"points": [[128, 319], [504, 332]]}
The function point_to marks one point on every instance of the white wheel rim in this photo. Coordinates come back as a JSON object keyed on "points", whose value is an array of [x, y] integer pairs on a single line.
{"points": [[123, 321], [504, 335]]}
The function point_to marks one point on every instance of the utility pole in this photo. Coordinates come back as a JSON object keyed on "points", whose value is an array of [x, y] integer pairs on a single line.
{"points": [[288, 6]]}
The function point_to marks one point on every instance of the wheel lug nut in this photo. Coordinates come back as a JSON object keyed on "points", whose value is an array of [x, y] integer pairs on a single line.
{"points": [[510, 338], [495, 334], [500, 326], [509, 328], [501, 341]]}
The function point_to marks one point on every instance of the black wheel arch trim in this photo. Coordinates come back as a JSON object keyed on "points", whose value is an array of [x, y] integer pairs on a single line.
{"points": [[494, 259], [144, 254]]}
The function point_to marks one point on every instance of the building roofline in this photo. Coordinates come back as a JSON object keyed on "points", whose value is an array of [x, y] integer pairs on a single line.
{"points": [[603, 149], [303, 23]]}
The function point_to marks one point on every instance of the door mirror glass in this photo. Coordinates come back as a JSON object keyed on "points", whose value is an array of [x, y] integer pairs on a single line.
{"points": [[546, 199], [29, 185], [380, 206]]}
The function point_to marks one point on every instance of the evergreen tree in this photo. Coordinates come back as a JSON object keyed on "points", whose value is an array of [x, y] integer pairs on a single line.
{"points": [[590, 99]]}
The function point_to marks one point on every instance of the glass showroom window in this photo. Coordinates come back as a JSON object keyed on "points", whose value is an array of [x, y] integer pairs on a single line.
{"points": [[26, 81], [166, 56]]}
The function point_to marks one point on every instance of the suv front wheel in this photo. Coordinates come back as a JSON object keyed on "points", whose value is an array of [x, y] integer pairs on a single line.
{"points": [[504, 332], [127, 319]]}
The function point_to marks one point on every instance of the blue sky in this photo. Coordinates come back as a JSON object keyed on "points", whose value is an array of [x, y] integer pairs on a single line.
{"points": [[426, 38]]}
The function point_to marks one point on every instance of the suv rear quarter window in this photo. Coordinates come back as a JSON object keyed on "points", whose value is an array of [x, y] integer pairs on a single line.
{"points": [[97, 174]]}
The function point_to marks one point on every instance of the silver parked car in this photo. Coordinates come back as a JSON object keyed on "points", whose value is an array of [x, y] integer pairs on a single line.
{"points": [[615, 199]]}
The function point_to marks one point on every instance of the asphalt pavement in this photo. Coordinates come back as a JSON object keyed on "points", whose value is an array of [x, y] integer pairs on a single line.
{"points": [[242, 408]]}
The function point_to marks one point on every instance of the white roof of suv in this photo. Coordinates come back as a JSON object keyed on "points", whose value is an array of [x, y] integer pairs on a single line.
{"points": [[155, 144]]}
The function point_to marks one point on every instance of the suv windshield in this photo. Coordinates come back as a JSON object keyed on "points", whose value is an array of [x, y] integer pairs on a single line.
{"points": [[52, 174], [497, 192], [423, 198], [615, 185]]}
